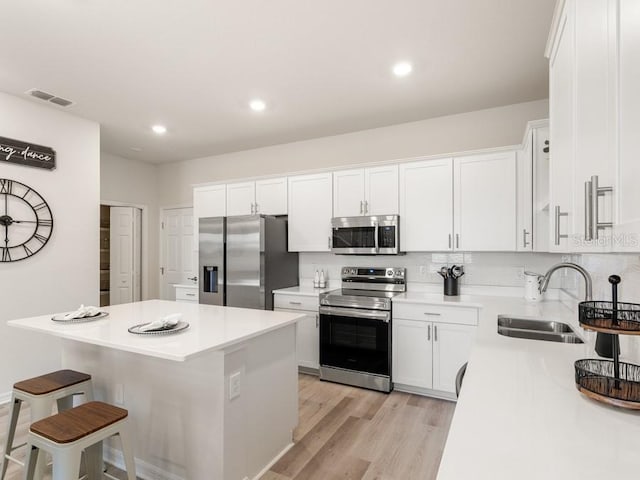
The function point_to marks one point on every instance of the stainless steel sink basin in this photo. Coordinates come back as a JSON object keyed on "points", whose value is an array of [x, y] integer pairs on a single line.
{"points": [[547, 330]]}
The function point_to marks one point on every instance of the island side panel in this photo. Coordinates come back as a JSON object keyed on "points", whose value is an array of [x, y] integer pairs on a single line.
{"points": [[176, 408], [259, 422]]}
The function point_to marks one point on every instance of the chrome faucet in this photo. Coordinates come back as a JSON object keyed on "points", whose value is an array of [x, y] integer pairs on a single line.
{"points": [[544, 282]]}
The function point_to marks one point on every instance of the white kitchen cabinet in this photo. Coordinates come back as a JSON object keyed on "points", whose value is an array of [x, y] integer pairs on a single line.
{"points": [[307, 329], [627, 228], [412, 352], [485, 202], [451, 349], [310, 210], [271, 196], [426, 205], [186, 293], [267, 196], [241, 198], [532, 232], [430, 344], [209, 201], [365, 191]]}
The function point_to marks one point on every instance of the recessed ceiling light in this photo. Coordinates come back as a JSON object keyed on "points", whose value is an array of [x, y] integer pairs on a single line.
{"points": [[402, 69], [257, 105], [159, 129]]}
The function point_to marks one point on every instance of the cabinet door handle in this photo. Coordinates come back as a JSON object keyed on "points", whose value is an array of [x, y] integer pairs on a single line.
{"points": [[457, 240], [329, 242], [190, 294], [256, 208], [435, 333], [317, 320], [588, 212], [429, 332], [597, 192], [449, 240], [557, 233], [432, 314], [252, 208], [295, 303], [361, 207], [524, 238], [366, 207]]}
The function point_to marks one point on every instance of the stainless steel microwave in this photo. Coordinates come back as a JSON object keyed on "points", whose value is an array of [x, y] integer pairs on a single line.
{"points": [[368, 235]]}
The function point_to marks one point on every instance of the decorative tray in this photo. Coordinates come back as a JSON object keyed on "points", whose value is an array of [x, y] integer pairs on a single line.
{"points": [[598, 380], [60, 318], [607, 317], [179, 327]]}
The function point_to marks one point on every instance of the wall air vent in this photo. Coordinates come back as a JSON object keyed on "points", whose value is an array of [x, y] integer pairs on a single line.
{"points": [[48, 97]]}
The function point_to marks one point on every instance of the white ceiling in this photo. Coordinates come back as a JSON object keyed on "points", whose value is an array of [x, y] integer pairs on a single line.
{"points": [[323, 67]]}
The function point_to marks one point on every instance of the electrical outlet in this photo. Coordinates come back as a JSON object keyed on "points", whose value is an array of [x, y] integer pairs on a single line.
{"points": [[118, 394], [234, 385], [423, 271], [520, 273]]}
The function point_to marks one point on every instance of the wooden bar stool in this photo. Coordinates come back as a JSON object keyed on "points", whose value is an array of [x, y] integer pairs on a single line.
{"points": [[68, 433], [41, 393]]}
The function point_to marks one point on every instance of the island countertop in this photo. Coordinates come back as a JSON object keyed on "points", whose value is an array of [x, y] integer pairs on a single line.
{"points": [[210, 328]]}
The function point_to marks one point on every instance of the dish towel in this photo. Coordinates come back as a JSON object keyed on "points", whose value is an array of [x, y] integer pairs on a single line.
{"points": [[82, 312], [163, 323]]}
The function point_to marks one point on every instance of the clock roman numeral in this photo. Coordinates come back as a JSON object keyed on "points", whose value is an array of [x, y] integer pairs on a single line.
{"points": [[41, 238], [45, 222], [27, 250], [26, 193], [6, 255], [40, 206], [6, 186]]}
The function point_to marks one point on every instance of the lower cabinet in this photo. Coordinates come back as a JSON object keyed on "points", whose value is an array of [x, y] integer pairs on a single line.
{"points": [[186, 294], [307, 330], [430, 347]]}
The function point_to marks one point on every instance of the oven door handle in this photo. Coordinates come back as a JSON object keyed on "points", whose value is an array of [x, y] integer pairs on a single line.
{"points": [[356, 313]]}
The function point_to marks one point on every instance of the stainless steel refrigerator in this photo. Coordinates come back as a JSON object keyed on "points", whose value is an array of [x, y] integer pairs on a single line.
{"points": [[243, 259]]}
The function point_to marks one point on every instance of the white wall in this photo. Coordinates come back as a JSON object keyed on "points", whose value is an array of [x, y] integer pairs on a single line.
{"points": [[136, 183], [65, 273], [494, 127]]}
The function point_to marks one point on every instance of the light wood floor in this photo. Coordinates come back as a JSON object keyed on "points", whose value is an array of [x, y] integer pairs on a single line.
{"points": [[344, 433], [351, 433]]}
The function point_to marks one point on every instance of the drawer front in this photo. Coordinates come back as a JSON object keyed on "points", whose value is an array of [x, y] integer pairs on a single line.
{"points": [[436, 313], [295, 302], [187, 294]]}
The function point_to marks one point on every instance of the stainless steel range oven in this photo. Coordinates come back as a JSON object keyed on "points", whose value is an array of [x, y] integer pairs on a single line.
{"points": [[355, 327]]}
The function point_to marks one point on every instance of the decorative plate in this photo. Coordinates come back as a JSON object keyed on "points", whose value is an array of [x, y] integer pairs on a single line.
{"points": [[180, 326], [60, 318]]}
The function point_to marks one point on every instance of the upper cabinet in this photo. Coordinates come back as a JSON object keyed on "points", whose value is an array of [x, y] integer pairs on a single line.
{"points": [[267, 197], [310, 212], [426, 205], [466, 203], [594, 119], [485, 202], [365, 191], [209, 202]]}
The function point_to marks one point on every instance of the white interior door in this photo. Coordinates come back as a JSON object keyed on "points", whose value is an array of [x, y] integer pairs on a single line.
{"points": [[177, 250], [121, 256], [137, 255]]}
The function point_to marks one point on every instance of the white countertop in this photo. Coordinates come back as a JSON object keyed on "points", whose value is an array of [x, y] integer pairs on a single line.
{"points": [[211, 328], [519, 415], [303, 291]]}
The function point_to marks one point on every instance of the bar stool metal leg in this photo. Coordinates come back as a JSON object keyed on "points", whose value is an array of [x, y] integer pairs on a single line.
{"points": [[13, 422]]}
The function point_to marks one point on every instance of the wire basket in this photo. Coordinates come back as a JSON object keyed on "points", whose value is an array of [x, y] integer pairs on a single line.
{"points": [[597, 379], [610, 317]]}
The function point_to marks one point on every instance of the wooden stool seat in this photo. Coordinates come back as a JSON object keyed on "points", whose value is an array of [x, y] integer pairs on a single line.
{"points": [[71, 425], [70, 433], [51, 382]]}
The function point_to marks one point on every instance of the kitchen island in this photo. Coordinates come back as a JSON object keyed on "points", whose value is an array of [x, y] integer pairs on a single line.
{"points": [[218, 400]]}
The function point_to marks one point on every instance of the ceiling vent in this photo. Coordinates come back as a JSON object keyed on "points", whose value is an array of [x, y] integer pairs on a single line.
{"points": [[48, 97]]}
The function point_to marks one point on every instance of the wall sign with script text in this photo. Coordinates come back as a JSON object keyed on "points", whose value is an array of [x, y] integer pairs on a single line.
{"points": [[30, 154]]}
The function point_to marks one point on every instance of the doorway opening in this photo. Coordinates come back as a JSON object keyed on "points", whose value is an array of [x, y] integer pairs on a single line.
{"points": [[120, 254]]}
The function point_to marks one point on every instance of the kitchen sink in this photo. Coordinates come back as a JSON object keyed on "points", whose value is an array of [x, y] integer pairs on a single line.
{"points": [[547, 330]]}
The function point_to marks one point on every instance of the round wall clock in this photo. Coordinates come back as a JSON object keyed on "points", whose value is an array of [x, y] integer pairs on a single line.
{"points": [[26, 221]]}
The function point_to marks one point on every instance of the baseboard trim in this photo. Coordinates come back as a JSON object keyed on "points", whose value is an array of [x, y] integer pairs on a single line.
{"points": [[144, 470], [273, 462], [425, 392], [5, 398]]}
